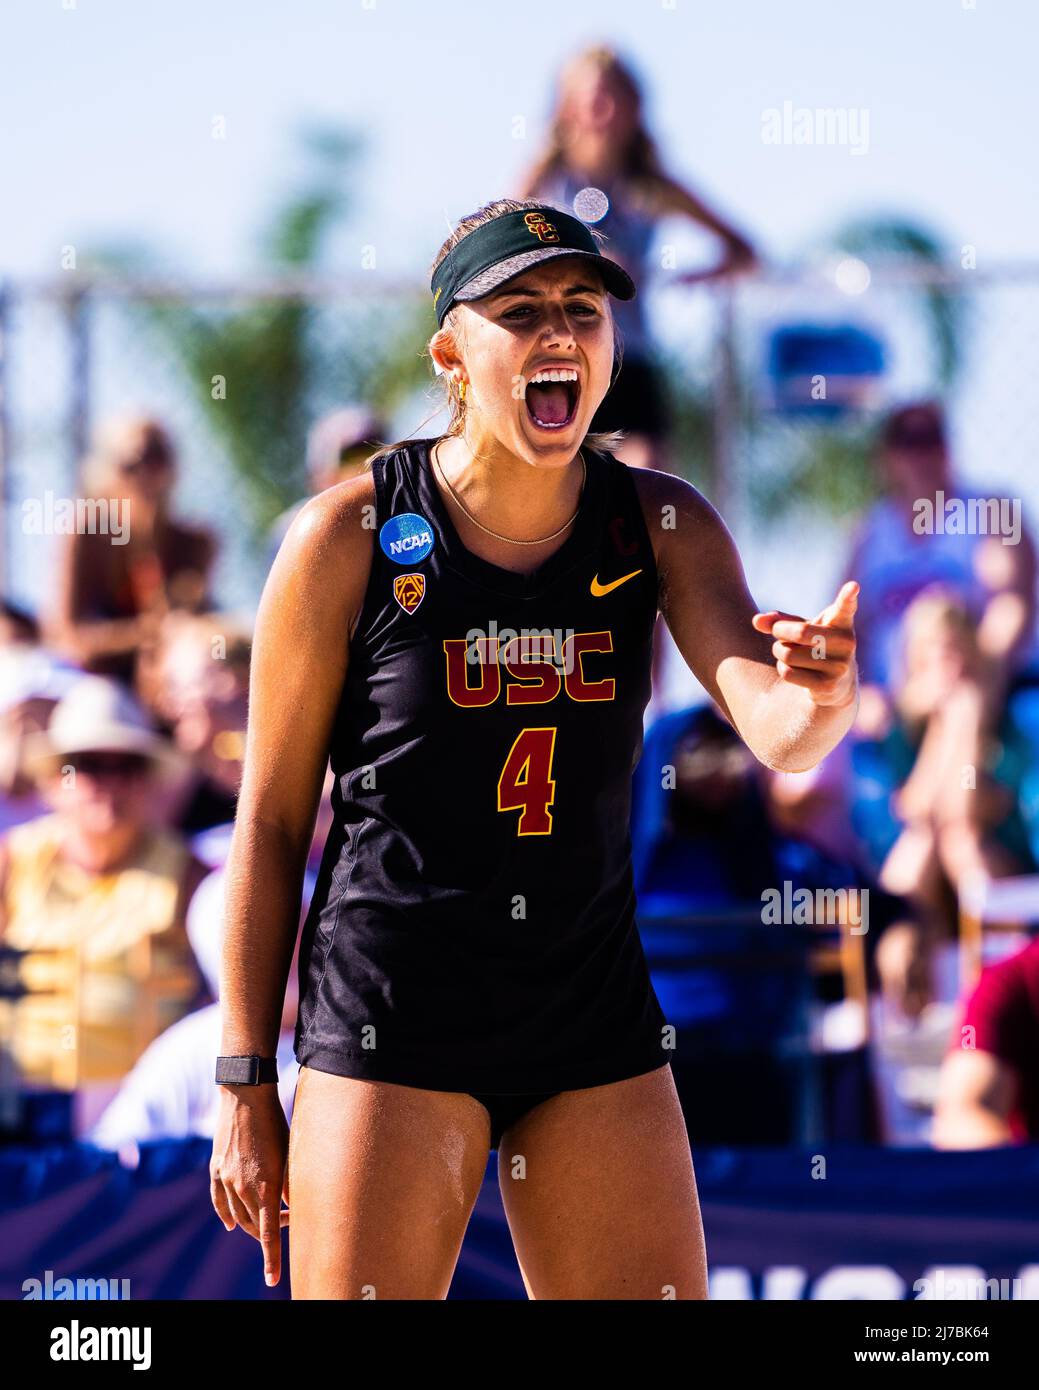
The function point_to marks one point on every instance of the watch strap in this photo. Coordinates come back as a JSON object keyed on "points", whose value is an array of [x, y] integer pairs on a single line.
{"points": [[251, 1070]]}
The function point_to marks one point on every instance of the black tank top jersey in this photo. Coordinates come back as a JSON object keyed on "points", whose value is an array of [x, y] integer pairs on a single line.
{"points": [[473, 925]]}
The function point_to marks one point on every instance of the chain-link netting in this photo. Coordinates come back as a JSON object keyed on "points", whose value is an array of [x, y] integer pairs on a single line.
{"points": [[238, 374], [236, 377]]}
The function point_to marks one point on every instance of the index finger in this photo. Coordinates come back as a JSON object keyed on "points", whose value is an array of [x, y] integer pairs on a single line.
{"points": [[270, 1238], [841, 612]]}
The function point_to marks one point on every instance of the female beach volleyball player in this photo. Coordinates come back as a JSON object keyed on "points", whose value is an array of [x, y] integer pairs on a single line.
{"points": [[465, 631]]}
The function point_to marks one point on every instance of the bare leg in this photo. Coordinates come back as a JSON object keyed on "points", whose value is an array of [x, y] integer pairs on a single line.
{"points": [[905, 966], [925, 785], [904, 951], [599, 1190], [966, 851], [963, 740], [911, 868], [966, 802], [382, 1182]]}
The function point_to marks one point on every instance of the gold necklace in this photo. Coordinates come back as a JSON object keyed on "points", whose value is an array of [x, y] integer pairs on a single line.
{"points": [[486, 529]]}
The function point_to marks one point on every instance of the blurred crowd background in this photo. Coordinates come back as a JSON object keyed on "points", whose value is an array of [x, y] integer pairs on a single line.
{"points": [[816, 403]]}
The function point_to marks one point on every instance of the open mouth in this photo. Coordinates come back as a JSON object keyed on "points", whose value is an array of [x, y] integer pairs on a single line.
{"points": [[552, 398]]}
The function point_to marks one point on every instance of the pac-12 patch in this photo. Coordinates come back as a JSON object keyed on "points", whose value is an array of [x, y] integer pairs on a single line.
{"points": [[406, 538], [409, 590]]}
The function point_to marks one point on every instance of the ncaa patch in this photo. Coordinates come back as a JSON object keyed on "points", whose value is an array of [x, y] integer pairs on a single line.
{"points": [[406, 538], [409, 590]]}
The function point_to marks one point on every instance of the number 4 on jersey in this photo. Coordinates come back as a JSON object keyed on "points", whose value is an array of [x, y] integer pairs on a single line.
{"points": [[526, 783]]}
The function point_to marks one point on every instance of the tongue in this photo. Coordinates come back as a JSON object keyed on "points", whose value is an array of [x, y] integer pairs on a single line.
{"points": [[549, 403]]}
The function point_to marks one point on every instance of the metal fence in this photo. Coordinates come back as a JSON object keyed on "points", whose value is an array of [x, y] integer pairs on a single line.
{"points": [[75, 350]]}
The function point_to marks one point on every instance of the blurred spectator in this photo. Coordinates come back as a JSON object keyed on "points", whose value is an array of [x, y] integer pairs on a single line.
{"points": [[708, 840], [601, 164], [716, 847], [337, 447], [598, 145], [936, 798], [17, 626], [815, 805], [171, 1092], [96, 896], [893, 560], [32, 681], [735, 986], [115, 586], [197, 682], [989, 1087], [994, 582]]}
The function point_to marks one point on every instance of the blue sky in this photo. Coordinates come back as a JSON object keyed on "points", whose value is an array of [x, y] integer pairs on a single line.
{"points": [[107, 108]]}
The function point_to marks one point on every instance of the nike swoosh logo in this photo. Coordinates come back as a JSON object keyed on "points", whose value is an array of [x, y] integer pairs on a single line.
{"points": [[599, 589]]}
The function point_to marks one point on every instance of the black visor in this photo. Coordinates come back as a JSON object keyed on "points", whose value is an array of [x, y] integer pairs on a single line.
{"points": [[511, 244]]}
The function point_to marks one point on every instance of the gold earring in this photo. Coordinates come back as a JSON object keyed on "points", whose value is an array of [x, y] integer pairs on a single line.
{"points": [[461, 390]]}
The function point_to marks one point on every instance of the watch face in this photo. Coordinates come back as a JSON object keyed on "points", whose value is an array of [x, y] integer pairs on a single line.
{"points": [[237, 1071]]}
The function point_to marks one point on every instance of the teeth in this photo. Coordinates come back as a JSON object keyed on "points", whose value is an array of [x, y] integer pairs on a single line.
{"points": [[553, 374]]}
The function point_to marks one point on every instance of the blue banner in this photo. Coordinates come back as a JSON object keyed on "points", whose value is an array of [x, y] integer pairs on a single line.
{"points": [[849, 1223]]}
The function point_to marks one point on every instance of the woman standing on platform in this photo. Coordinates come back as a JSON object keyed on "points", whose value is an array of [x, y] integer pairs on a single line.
{"points": [[601, 164]]}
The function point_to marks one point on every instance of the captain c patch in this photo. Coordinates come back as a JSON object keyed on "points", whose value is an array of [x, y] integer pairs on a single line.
{"points": [[409, 590]]}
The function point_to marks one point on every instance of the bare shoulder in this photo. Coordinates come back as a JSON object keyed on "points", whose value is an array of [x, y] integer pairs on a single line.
{"points": [[674, 508], [325, 559], [337, 517]]}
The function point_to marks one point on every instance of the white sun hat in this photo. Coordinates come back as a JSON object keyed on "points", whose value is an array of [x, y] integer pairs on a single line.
{"points": [[100, 716]]}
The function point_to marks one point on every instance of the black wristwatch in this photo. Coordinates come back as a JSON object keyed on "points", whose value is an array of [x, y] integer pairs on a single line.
{"points": [[246, 1071]]}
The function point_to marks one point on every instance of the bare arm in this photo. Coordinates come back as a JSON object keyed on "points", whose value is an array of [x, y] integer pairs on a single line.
{"points": [[310, 604], [673, 197], [81, 638], [1008, 623], [975, 1097], [1023, 582], [308, 613], [789, 688], [676, 198]]}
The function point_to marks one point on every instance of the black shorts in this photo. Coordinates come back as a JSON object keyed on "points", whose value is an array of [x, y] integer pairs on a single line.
{"points": [[637, 401], [505, 1110]]}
